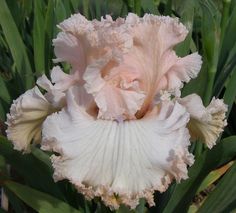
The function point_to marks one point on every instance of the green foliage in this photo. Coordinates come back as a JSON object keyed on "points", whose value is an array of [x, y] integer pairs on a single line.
{"points": [[222, 199], [16, 45], [209, 160], [41, 202], [27, 28]]}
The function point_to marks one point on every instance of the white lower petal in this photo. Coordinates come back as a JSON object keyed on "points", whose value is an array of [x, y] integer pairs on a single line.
{"points": [[206, 123], [120, 162], [25, 118]]}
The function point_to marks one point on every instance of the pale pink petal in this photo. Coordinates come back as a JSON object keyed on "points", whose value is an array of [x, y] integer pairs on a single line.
{"points": [[206, 123], [143, 46], [68, 48], [183, 70], [63, 81], [26, 116], [153, 56], [56, 97], [120, 162], [44, 83], [78, 25], [83, 41], [59, 84], [115, 97]]}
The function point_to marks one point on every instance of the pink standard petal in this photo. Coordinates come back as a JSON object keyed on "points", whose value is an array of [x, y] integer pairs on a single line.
{"points": [[153, 56], [113, 101]]}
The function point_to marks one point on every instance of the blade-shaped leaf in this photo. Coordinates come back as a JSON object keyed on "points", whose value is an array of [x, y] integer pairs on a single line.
{"points": [[4, 94], [39, 37], [187, 14], [60, 11], [49, 28], [39, 201], [223, 198], [150, 6], [16, 45], [228, 40], [210, 32], [34, 171], [183, 193], [214, 176], [230, 92]]}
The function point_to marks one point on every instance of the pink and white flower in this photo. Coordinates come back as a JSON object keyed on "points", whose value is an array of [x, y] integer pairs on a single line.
{"points": [[117, 130]]}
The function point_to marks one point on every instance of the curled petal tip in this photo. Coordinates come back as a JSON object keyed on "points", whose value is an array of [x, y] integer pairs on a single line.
{"points": [[206, 123], [26, 116]]}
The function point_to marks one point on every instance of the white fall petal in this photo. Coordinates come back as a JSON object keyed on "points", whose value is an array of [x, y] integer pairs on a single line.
{"points": [[26, 116], [120, 162], [206, 123]]}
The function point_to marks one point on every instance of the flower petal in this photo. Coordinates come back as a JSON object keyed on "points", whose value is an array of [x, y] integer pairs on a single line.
{"points": [[68, 48], [183, 70], [206, 123], [148, 56], [119, 161], [83, 41], [153, 56], [114, 101], [26, 116], [59, 84], [61, 80]]}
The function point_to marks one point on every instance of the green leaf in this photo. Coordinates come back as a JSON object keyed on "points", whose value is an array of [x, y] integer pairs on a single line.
{"points": [[186, 12], [49, 27], [210, 29], [210, 26], [214, 176], [86, 8], [4, 94], [39, 201], [2, 210], [75, 4], [16, 204], [227, 55], [228, 40], [16, 45], [184, 192], [149, 6], [34, 171], [39, 37], [42, 156], [66, 4], [223, 198], [2, 111], [98, 9], [60, 11], [230, 92], [222, 77]]}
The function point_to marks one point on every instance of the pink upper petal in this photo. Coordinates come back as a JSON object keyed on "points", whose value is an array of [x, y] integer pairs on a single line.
{"points": [[142, 60], [153, 56], [115, 98]]}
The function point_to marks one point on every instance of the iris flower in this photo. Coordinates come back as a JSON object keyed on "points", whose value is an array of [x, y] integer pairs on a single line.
{"points": [[117, 123]]}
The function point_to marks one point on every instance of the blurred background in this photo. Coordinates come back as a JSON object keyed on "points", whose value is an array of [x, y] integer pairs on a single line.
{"points": [[27, 28]]}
